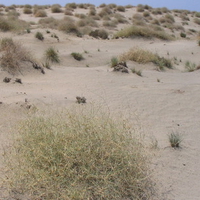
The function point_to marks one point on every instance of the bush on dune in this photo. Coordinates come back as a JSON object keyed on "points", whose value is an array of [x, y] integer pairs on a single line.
{"points": [[79, 154]]}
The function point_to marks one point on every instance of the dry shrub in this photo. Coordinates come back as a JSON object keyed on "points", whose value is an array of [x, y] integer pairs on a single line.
{"points": [[13, 55], [121, 8], [110, 23], [197, 21], [92, 11], [81, 16], [105, 11], [167, 19], [146, 32], [120, 18], [156, 11], [79, 153], [27, 10], [56, 8], [165, 10], [40, 13], [102, 5], [184, 17], [99, 33], [68, 12], [49, 22], [12, 24], [88, 21], [67, 25], [71, 5], [146, 14], [112, 5]]}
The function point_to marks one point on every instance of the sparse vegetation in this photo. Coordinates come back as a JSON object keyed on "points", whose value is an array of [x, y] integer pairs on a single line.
{"points": [[138, 72], [13, 56], [39, 36], [40, 13], [145, 32], [175, 139], [190, 67], [114, 61], [51, 55], [56, 8], [183, 35], [77, 56], [143, 56], [99, 33]]}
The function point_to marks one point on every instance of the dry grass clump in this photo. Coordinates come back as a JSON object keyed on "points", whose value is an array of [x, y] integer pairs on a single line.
{"points": [[105, 11], [197, 21], [143, 56], [56, 8], [102, 5], [13, 24], [27, 10], [92, 11], [40, 13], [110, 23], [146, 32], [197, 14], [51, 55], [99, 33], [120, 8], [71, 5], [88, 21], [156, 11], [146, 14], [13, 54], [82, 153], [49, 22], [68, 25], [184, 17], [68, 12], [120, 18], [167, 19], [112, 5]]}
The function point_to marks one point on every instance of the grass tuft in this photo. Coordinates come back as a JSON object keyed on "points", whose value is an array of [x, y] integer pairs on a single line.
{"points": [[51, 55], [175, 139], [77, 56], [144, 56], [79, 154]]}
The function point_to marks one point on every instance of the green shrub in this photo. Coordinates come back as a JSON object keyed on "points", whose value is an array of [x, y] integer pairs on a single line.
{"points": [[190, 67], [51, 55], [80, 154], [39, 36], [77, 56], [114, 61], [183, 35], [175, 139]]}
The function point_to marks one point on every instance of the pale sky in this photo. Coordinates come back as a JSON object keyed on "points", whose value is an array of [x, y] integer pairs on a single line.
{"points": [[193, 5]]}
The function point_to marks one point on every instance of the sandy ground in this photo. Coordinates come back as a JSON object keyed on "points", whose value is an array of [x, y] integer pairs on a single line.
{"points": [[172, 104]]}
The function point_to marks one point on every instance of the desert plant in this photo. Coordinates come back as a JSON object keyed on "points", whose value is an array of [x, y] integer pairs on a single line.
{"points": [[71, 5], [175, 139], [83, 153], [27, 10], [40, 13], [146, 32], [13, 56], [56, 8], [68, 25], [190, 67], [99, 33], [183, 35], [68, 12], [51, 55], [120, 8], [197, 14], [39, 36], [114, 61], [77, 56], [138, 72], [144, 56], [197, 21]]}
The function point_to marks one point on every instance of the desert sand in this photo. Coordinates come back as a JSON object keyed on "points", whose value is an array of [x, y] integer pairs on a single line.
{"points": [[160, 101]]}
